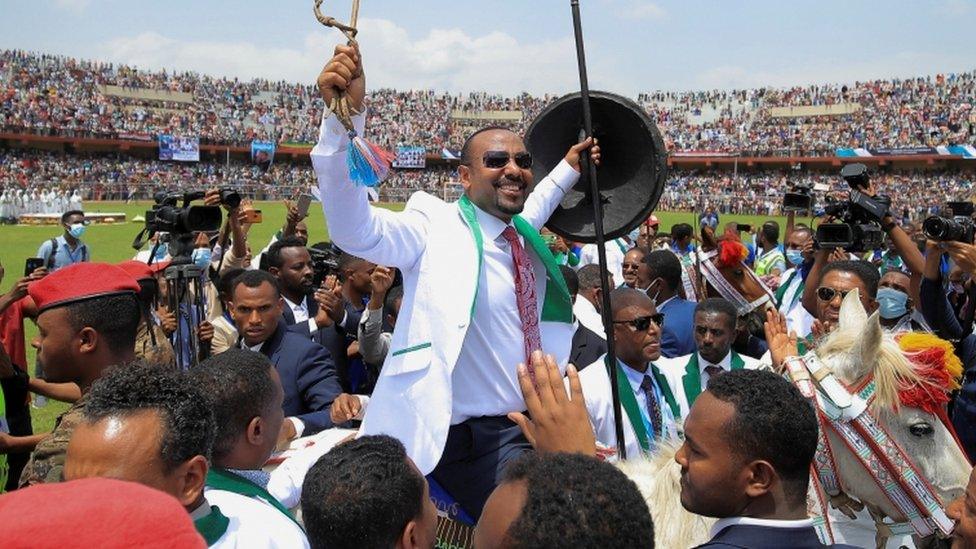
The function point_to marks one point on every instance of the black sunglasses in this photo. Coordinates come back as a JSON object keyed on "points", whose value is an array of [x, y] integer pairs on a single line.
{"points": [[828, 294], [642, 323], [499, 159]]}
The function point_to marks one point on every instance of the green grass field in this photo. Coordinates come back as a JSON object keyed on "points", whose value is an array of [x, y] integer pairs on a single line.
{"points": [[113, 243]]}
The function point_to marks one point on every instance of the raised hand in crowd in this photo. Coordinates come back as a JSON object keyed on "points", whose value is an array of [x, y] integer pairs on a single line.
{"points": [[329, 298], [344, 72], [205, 332], [559, 422], [19, 289], [381, 279], [963, 254], [782, 343]]}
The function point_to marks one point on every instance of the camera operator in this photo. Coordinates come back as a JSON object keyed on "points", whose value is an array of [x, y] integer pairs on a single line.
{"points": [[898, 237], [939, 314]]}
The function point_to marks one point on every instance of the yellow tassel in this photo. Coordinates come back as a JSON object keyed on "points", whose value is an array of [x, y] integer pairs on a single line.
{"points": [[916, 342]]}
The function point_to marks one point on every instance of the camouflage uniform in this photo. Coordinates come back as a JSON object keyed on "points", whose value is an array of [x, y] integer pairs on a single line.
{"points": [[161, 354], [47, 460]]}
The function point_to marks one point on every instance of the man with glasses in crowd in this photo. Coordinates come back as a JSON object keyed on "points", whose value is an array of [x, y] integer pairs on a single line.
{"points": [[481, 293], [647, 403]]}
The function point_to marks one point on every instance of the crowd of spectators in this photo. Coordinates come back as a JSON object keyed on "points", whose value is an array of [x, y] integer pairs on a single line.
{"points": [[115, 177], [59, 95]]}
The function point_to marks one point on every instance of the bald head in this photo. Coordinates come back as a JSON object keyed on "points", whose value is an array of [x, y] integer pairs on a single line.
{"points": [[621, 298]]}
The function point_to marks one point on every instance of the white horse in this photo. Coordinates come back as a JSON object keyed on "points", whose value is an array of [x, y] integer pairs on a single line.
{"points": [[909, 402]]}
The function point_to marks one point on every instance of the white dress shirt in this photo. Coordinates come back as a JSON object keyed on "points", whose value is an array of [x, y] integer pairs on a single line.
{"points": [[300, 311], [616, 249], [588, 316], [725, 364], [485, 378], [722, 524]]}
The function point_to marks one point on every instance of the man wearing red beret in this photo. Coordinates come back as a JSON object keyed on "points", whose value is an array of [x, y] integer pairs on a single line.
{"points": [[87, 319]]}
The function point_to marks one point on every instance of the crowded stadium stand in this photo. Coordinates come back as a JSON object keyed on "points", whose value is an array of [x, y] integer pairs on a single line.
{"points": [[70, 123]]}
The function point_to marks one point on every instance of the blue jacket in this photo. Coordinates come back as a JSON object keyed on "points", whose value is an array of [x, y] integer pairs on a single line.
{"points": [[761, 537], [334, 338], [678, 334], [939, 315], [308, 377]]}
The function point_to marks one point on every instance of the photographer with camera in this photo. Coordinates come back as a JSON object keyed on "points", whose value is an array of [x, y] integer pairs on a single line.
{"points": [[939, 314], [864, 220]]}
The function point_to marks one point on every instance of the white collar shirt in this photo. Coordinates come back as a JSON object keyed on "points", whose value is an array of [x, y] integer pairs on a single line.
{"points": [[725, 364], [485, 378], [300, 310], [722, 524]]}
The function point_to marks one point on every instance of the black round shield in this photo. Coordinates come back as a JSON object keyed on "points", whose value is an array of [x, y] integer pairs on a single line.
{"points": [[633, 164]]}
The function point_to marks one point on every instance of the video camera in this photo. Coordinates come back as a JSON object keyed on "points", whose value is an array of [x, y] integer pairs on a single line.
{"points": [[958, 228], [179, 222], [325, 261], [859, 229], [799, 198]]}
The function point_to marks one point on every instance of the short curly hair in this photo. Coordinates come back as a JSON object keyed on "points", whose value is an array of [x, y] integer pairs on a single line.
{"points": [[574, 500], [185, 410], [361, 495], [240, 385], [772, 422]]}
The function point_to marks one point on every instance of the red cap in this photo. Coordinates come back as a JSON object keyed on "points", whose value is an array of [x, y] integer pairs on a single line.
{"points": [[160, 266], [79, 282], [128, 515], [137, 269], [653, 221]]}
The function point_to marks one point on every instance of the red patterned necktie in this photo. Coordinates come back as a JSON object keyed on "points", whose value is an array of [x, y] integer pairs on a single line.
{"points": [[528, 307]]}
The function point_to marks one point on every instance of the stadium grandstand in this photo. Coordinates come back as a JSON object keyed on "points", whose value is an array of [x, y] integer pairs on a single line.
{"points": [[95, 126]]}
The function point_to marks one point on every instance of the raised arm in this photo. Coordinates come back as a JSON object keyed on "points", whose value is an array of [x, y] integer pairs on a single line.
{"points": [[375, 234]]}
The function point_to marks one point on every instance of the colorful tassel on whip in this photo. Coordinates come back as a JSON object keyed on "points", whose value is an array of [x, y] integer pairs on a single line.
{"points": [[368, 164]]}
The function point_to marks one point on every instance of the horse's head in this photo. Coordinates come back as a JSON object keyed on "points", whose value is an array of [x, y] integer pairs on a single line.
{"points": [[913, 375], [727, 257]]}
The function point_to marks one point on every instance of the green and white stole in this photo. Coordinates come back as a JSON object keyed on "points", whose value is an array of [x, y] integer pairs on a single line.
{"points": [[629, 403], [213, 526], [222, 479], [781, 291], [556, 305], [692, 378]]}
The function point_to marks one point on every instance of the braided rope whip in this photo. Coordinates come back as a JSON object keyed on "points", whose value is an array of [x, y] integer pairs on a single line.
{"points": [[340, 103]]}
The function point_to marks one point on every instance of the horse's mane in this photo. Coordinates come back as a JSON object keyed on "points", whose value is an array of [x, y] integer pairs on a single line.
{"points": [[731, 251], [916, 370]]}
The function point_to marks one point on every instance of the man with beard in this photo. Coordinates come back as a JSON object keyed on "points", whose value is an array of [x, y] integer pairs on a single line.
{"points": [[481, 293], [87, 320]]}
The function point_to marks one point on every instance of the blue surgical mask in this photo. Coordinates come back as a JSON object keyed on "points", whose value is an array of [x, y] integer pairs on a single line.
{"points": [[77, 230], [795, 257], [633, 235], [201, 257], [892, 304]]}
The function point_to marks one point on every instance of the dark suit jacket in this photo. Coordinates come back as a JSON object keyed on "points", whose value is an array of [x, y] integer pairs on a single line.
{"points": [[308, 377], [587, 347], [678, 334], [333, 338], [762, 537], [939, 315]]}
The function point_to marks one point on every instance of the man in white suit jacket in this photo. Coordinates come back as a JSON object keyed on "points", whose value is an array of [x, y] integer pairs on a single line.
{"points": [[647, 403], [450, 377]]}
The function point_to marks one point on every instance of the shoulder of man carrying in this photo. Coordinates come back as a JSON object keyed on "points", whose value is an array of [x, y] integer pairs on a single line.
{"points": [[80, 282]]}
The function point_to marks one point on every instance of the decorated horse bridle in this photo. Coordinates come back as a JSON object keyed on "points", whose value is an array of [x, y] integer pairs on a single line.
{"points": [[714, 277], [847, 414]]}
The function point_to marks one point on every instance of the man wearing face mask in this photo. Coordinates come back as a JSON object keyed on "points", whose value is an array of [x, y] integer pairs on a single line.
{"points": [[68, 248], [799, 256], [895, 306]]}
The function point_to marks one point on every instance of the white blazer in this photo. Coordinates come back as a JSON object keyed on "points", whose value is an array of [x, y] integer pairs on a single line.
{"points": [[599, 406], [431, 243]]}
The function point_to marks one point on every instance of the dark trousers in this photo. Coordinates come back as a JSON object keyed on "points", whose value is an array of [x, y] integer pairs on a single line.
{"points": [[474, 458]]}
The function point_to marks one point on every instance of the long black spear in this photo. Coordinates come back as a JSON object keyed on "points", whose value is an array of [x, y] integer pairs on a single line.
{"points": [[611, 362]]}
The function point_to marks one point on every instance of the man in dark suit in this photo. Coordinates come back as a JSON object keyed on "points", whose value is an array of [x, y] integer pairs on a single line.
{"points": [[677, 336], [587, 345], [289, 261], [749, 442], [306, 369]]}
